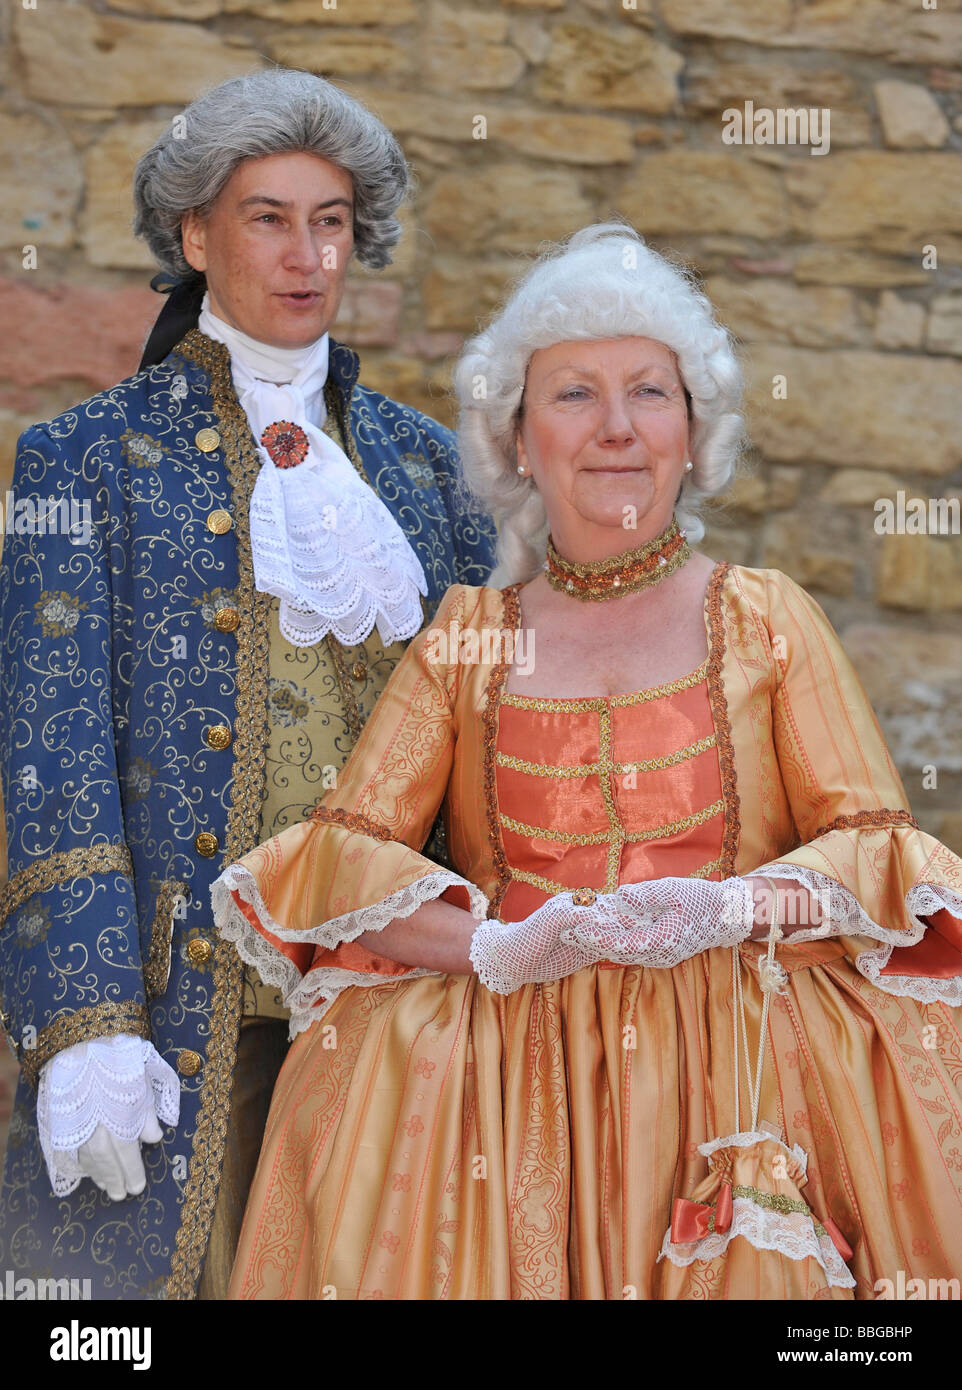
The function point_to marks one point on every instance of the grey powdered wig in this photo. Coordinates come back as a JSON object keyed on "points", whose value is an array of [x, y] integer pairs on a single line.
{"points": [[604, 282], [277, 111]]}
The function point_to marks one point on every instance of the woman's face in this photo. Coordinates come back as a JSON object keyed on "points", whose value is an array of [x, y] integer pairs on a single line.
{"points": [[604, 434]]}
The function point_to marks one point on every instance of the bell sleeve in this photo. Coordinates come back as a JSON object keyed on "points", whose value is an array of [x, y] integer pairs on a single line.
{"points": [[295, 906], [859, 846]]}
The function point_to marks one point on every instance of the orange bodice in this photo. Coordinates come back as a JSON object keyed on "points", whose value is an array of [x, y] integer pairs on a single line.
{"points": [[615, 789]]}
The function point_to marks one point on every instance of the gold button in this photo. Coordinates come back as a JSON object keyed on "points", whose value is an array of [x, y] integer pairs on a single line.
{"points": [[359, 670], [219, 522], [199, 951], [188, 1062], [207, 441], [206, 844], [218, 735], [227, 620], [583, 897]]}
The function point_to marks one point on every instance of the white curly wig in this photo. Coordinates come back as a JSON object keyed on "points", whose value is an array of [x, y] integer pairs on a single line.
{"points": [[603, 282]]}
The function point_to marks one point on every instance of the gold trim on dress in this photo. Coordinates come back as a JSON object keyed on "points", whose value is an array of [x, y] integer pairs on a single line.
{"points": [[510, 619], [545, 704], [862, 818], [600, 837], [249, 770], [84, 1024], [550, 886], [60, 867], [680, 755], [719, 712], [352, 820], [157, 963]]}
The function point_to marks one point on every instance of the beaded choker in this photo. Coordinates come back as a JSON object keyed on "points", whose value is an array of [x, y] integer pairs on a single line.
{"points": [[619, 574]]}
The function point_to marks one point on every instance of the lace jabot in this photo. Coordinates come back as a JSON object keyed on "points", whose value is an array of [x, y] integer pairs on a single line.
{"points": [[322, 540]]}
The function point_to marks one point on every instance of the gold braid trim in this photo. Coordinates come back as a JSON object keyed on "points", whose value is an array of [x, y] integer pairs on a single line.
{"points": [[862, 818], [547, 704], [719, 713], [157, 964], [601, 837], [351, 820], [605, 765], [95, 1021], [60, 867], [510, 618], [243, 820]]}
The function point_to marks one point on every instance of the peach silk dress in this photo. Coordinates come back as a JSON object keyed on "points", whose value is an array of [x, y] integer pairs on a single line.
{"points": [[579, 1139]]}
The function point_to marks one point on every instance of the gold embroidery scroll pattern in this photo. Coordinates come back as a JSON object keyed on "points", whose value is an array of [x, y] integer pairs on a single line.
{"points": [[863, 818], [157, 964], [243, 820], [94, 1021], [548, 705], [59, 868], [540, 1190], [719, 712], [510, 618]]}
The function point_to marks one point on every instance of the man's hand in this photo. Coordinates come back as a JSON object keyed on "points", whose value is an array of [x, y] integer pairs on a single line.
{"points": [[116, 1165], [98, 1102]]}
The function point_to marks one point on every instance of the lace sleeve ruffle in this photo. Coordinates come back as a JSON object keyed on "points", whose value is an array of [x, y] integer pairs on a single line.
{"points": [[922, 961], [243, 918]]}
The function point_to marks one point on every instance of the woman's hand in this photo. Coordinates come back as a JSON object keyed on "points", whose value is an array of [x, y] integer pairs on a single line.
{"points": [[665, 921], [507, 955]]}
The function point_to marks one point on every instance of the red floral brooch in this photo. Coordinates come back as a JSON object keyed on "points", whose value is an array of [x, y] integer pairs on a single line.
{"points": [[286, 443]]}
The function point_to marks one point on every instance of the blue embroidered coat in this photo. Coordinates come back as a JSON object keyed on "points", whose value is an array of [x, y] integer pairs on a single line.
{"points": [[118, 656]]}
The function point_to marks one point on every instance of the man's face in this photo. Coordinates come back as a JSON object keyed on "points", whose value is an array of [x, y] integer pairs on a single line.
{"points": [[276, 246]]}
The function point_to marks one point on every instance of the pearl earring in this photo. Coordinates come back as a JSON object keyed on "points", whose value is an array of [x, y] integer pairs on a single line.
{"points": [[689, 466], [521, 470]]}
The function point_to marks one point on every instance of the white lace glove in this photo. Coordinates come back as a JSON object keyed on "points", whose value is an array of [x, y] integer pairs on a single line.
{"points": [[507, 955], [665, 921], [97, 1102]]}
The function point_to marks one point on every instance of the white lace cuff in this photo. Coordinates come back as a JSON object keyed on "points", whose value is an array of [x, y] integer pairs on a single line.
{"points": [[309, 996], [843, 915], [106, 1081]]}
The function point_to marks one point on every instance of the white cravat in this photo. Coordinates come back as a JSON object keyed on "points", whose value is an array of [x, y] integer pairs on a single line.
{"points": [[322, 540]]}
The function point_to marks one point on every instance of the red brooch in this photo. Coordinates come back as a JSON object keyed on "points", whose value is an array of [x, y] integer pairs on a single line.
{"points": [[286, 443]]}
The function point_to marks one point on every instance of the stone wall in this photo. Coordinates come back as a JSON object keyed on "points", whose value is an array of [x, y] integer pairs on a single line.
{"points": [[840, 272]]}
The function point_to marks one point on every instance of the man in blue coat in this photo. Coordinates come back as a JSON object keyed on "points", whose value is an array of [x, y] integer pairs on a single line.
{"points": [[213, 569]]}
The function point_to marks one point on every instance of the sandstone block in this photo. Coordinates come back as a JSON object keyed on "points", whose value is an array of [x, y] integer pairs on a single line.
{"points": [[40, 182], [503, 207], [109, 207], [779, 311], [860, 409], [944, 331], [327, 12], [814, 548], [911, 117], [920, 573], [343, 54], [899, 322], [859, 487], [884, 28], [460, 293], [370, 313], [878, 200], [677, 190], [822, 265], [527, 130], [80, 57], [591, 65]]}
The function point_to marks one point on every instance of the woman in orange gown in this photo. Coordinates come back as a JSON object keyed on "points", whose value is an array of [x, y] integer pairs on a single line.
{"points": [[605, 1126]]}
